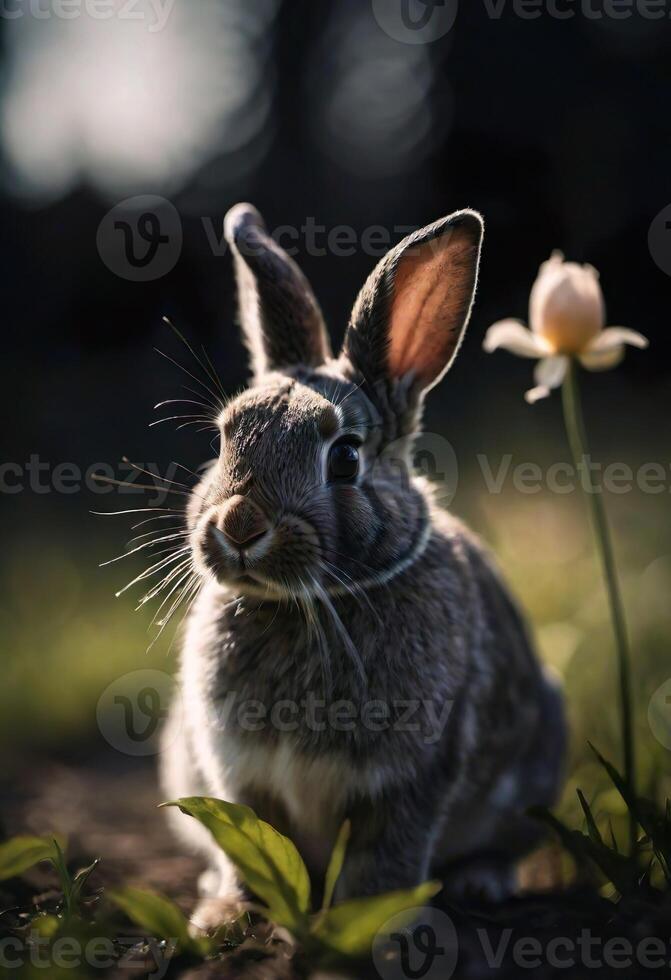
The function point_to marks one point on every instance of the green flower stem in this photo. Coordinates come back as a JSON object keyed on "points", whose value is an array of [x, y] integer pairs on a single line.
{"points": [[575, 428]]}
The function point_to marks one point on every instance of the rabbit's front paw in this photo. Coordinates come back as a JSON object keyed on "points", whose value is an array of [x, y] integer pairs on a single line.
{"points": [[212, 913], [482, 882], [209, 883]]}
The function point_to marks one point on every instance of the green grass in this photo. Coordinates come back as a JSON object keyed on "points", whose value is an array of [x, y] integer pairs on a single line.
{"points": [[65, 639]]}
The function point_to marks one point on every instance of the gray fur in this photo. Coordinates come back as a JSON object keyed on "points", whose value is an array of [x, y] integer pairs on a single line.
{"points": [[362, 594]]}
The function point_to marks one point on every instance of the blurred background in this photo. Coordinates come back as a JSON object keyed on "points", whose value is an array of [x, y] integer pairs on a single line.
{"points": [[128, 130]]}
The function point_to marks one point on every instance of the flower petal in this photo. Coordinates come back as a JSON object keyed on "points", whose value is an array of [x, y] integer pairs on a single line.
{"points": [[548, 374], [607, 350], [551, 371], [515, 337], [602, 360], [535, 394], [613, 337]]}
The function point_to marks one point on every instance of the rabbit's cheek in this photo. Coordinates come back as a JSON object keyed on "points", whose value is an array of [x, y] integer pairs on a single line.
{"points": [[356, 518]]}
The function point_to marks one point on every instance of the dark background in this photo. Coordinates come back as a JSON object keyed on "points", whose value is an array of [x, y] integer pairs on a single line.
{"points": [[556, 130]]}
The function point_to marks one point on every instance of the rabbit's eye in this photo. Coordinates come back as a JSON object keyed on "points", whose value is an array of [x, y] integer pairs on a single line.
{"points": [[343, 461]]}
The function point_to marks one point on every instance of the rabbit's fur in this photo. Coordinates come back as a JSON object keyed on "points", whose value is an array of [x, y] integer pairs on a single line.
{"points": [[363, 599]]}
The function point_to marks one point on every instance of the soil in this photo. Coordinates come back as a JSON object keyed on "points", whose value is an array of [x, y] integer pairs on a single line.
{"points": [[106, 806]]}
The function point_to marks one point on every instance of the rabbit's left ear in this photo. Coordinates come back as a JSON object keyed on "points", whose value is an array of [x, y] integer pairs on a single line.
{"points": [[411, 314], [281, 319]]}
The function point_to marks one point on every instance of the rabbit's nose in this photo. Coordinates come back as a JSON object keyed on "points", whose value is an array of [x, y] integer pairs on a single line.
{"points": [[242, 522]]}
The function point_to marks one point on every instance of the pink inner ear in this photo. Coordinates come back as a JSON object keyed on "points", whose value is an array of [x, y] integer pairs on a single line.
{"points": [[433, 287]]}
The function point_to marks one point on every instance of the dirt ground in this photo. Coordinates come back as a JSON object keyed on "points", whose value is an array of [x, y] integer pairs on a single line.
{"points": [[106, 807]]}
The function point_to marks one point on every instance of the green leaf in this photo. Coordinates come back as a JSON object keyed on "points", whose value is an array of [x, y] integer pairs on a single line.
{"points": [[158, 916], [651, 817], [621, 870], [21, 853], [613, 839], [80, 880], [267, 861], [336, 863], [46, 926], [592, 828], [350, 928], [58, 859]]}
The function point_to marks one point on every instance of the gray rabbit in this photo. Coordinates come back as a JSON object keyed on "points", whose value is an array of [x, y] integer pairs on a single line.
{"points": [[352, 651]]}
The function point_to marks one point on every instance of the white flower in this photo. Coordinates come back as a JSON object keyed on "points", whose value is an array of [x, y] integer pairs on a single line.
{"points": [[567, 317]]}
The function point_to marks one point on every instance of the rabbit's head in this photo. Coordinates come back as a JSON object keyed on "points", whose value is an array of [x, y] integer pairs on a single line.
{"points": [[310, 495]]}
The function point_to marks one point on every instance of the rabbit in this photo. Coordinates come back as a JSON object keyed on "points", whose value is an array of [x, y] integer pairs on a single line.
{"points": [[353, 651]]}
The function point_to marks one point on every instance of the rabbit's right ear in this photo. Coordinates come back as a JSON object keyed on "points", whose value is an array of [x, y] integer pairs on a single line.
{"points": [[280, 317], [410, 317]]}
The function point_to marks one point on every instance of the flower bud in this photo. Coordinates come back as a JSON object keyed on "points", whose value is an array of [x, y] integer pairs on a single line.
{"points": [[566, 306]]}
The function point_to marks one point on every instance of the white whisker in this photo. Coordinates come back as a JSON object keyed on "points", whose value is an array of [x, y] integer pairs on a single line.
{"points": [[354, 654], [177, 530], [163, 517], [153, 569], [190, 599], [354, 589], [159, 586], [185, 574], [138, 510], [141, 547]]}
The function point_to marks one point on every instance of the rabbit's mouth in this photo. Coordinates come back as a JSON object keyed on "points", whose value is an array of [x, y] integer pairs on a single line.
{"points": [[284, 560]]}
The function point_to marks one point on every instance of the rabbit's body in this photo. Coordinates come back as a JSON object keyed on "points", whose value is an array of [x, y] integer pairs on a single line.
{"points": [[365, 661], [462, 750]]}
